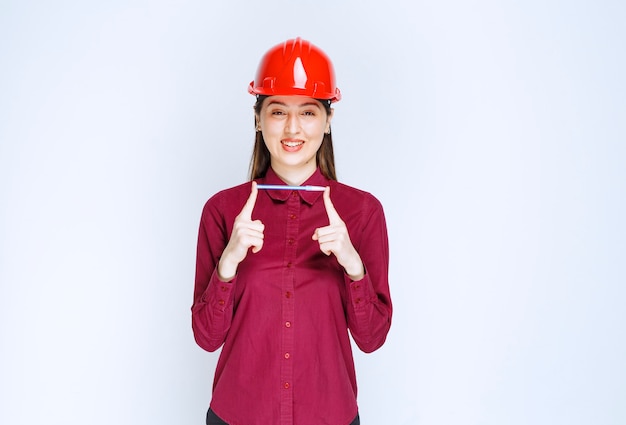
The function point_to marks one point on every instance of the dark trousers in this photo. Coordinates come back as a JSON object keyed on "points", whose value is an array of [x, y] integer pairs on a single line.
{"points": [[213, 419]]}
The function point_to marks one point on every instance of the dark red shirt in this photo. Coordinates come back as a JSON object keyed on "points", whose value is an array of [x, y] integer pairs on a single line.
{"points": [[284, 319]]}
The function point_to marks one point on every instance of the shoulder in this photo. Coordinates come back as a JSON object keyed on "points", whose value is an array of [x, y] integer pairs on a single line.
{"points": [[227, 199], [352, 196], [356, 203], [234, 192]]}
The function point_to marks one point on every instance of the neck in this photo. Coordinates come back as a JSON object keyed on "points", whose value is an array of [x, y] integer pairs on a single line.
{"points": [[295, 176]]}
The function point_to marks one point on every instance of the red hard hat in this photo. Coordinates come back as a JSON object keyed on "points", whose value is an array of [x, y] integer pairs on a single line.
{"points": [[296, 67]]}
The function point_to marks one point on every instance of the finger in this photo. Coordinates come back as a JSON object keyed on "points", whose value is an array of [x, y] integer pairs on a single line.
{"points": [[333, 215], [327, 230], [256, 247], [321, 232], [243, 226], [246, 211], [325, 241], [325, 248], [326, 238], [251, 233]]}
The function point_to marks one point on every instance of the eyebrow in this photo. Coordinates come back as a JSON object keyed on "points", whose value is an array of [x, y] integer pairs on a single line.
{"points": [[276, 102]]}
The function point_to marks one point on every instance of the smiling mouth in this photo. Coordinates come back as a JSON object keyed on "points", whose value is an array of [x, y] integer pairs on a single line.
{"points": [[292, 143]]}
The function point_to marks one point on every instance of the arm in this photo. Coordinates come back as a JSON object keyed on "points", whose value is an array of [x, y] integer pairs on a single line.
{"points": [[366, 267], [218, 258], [369, 305], [212, 309]]}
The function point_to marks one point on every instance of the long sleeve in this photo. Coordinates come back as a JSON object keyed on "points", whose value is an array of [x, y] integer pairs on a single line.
{"points": [[212, 308], [369, 306]]}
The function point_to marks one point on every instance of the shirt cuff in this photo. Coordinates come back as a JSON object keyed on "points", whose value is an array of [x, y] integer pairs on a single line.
{"points": [[219, 295], [360, 291]]}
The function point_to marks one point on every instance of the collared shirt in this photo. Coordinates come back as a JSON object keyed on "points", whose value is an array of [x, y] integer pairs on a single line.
{"points": [[283, 321]]}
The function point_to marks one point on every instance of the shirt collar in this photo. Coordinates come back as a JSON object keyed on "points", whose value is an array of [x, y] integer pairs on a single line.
{"points": [[316, 179]]}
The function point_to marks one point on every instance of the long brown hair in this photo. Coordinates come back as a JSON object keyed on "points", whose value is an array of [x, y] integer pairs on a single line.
{"points": [[260, 162]]}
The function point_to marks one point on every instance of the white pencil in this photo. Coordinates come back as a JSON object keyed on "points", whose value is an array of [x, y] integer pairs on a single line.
{"points": [[285, 187]]}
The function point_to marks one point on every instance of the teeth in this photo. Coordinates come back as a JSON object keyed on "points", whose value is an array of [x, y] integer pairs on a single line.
{"points": [[292, 144]]}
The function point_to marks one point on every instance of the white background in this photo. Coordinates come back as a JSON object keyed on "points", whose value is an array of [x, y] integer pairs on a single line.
{"points": [[493, 132]]}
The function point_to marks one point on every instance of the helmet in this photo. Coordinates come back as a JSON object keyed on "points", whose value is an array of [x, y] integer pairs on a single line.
{"points": [[296, 67]]}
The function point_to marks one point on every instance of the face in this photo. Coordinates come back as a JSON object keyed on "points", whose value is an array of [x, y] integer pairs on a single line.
{"points": [[293, 129]]}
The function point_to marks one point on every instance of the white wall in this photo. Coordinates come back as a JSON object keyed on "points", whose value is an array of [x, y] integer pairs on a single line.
{"points": [[493, 132]]}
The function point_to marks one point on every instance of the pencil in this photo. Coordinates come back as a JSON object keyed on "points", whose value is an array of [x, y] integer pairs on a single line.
{"points": [[286, 187]]}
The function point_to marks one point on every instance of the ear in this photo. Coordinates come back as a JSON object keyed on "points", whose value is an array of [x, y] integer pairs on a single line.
{"points": [[329, 119]]}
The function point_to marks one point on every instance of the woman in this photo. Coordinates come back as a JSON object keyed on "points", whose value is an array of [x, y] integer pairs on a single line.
{"points": [[283, 274]]}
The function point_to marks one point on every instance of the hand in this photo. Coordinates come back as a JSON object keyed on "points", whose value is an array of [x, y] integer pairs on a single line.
{"points": [[246, 234], [334, 239]]}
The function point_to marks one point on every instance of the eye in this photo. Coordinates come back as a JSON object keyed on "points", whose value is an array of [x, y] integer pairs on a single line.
{"points": [[277, 112], [309, 113]]}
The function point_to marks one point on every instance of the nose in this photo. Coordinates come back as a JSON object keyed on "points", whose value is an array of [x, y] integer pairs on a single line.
{"points": [[292, 125]]}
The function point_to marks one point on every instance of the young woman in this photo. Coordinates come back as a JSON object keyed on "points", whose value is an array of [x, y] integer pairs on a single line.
{"points": [[284, 273]]}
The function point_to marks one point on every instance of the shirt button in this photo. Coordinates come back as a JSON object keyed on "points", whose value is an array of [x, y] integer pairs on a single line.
{"points": [[288, 294], [221, 302], [289, 264], [286, 385], [292, 216], [287, 355], [290, 241], [287, 324], [357, 286]]}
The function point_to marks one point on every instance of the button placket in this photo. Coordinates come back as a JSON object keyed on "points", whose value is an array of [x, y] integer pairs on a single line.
{"points": [[287, 302]]}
